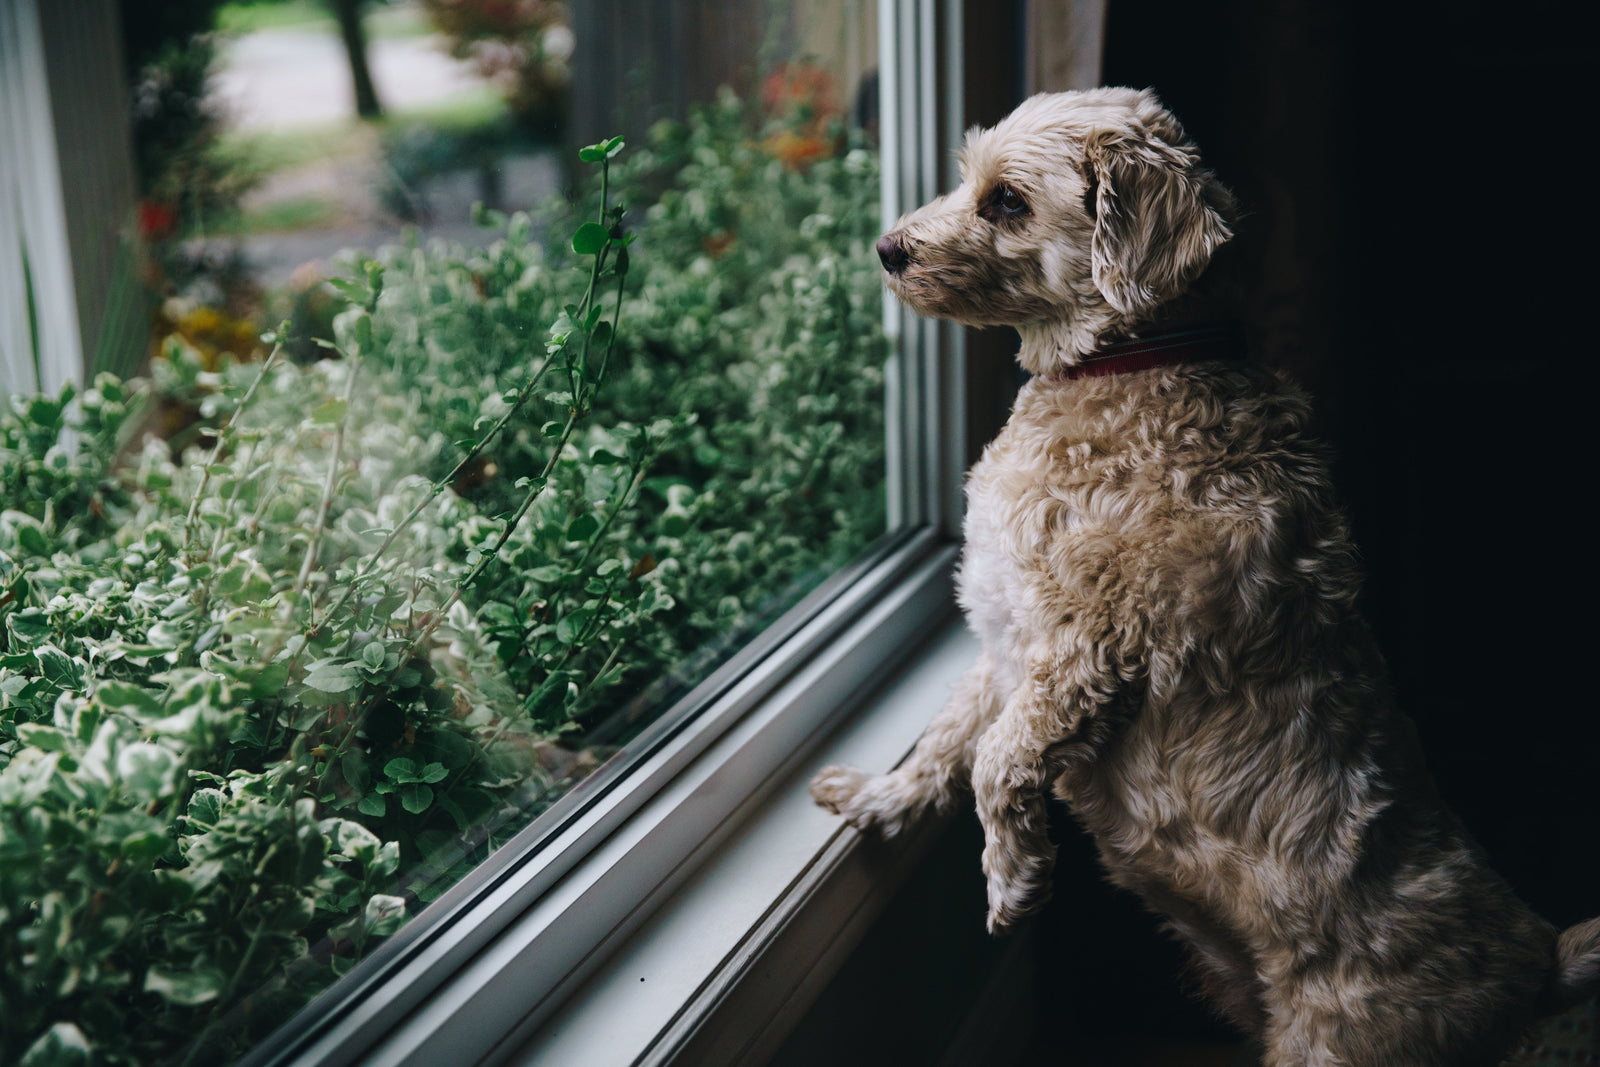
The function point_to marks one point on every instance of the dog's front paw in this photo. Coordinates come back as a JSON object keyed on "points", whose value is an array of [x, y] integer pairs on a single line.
{"points": [[835, 787], [867, 803]]}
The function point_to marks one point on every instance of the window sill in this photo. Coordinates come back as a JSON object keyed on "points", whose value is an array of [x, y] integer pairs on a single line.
{"points": [[727, 891], [738, 952]]}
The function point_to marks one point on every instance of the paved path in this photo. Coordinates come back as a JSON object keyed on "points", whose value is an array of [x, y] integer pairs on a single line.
{"points": [[276, 79]]}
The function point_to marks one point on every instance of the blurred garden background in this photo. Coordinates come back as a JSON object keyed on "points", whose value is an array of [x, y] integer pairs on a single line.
{"points": [[271, 135], [443, 133]]}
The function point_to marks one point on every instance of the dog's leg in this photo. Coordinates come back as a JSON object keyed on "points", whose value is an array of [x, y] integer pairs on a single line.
{"points": [[931, 776], [1053, 711]]}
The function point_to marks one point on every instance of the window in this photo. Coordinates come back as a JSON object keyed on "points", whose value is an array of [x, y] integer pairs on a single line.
{"points": [[393, 626]]}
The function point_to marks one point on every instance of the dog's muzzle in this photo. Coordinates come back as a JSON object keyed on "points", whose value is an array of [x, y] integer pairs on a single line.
{"points": [[892, 251]]}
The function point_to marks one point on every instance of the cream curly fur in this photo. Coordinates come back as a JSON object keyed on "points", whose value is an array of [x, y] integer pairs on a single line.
{"points": [[1164, 587]]}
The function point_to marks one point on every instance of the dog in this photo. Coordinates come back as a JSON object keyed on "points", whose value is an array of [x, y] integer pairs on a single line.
{"points": [[1164, 586]]}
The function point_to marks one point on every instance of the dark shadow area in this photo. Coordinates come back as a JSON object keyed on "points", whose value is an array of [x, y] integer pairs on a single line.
{"points": [[1418, 251], [910, 990]]}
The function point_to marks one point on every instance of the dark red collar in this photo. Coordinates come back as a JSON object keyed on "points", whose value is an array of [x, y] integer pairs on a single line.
{"points": [[1158, 350]]}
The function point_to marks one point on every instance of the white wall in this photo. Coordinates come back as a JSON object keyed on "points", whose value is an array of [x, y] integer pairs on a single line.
{"points": [[66, 189]]}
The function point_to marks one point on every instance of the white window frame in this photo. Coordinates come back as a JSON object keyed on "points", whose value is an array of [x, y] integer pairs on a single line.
{"points": [[37, 292], [66, 167]]}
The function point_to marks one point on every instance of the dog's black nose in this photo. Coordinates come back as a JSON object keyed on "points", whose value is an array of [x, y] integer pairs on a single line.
{"points": [[893, 253]]}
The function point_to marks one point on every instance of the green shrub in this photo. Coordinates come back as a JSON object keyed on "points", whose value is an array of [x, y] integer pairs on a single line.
{"points": [[266, 692]]}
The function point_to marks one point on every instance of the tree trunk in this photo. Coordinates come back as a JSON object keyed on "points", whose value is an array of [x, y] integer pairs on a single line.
{"points": [[354, 35]]}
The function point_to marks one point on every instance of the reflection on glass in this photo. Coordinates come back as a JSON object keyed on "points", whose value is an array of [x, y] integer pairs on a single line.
{"points": [[370, 556]]}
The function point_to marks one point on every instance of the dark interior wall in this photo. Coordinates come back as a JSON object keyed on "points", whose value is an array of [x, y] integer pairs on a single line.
{"points": [[1419, 251]]}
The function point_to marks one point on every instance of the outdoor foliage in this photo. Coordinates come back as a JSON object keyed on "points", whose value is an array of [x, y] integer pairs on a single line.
{"points": [[169, 54], [522, 47], [269, 687]]}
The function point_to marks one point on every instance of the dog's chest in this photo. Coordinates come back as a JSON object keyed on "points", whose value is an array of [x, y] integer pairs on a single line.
{"points": [[989, 584], [1025, 512]]}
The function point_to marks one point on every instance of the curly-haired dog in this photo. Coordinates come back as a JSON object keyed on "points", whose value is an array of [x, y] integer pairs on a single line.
{"points": [[1165, 589]]}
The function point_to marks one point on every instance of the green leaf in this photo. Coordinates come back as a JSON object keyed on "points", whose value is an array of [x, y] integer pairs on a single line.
{"points": [[401, 769], [486, 217], [31, 539], [416, 797], [30, 626], [43, 738], [61, 669], [146, 769], [126, 696], [570, 627], [188, 987], [590, 239], [583, 527], [548, 699], [373, 654], [383, 913], [265, 680], [205, 808], [353, 765], [330, 412], [350, 289], [373, 804], [63, 1045], [333, 677], [388, 860], [232, 578], [351, 839], [45, 412], [248, 732]]}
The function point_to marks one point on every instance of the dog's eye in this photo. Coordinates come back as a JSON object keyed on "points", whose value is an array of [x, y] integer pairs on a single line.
{"points": [[1003, 204]]}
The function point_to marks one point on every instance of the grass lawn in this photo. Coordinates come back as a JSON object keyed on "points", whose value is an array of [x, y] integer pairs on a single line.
{"points": [[280, 216], [313, 16]]}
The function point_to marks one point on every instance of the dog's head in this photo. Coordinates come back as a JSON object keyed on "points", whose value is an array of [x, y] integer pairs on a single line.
{"points": [[1078, 214]]}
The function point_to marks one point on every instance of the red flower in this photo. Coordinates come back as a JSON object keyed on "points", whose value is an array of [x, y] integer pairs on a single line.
{"points": [[156, 220], [794, 85]]}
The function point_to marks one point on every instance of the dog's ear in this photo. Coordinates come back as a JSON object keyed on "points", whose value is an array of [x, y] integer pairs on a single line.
{"points": [[1158, 215]]}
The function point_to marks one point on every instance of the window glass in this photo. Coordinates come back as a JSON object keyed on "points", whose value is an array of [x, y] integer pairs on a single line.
{"points": [[429, 460]]}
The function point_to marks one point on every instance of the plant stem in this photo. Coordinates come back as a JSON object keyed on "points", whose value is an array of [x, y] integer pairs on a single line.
{"points": [[583, 392], [325, 505], [439, 487], [222, 433]]}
